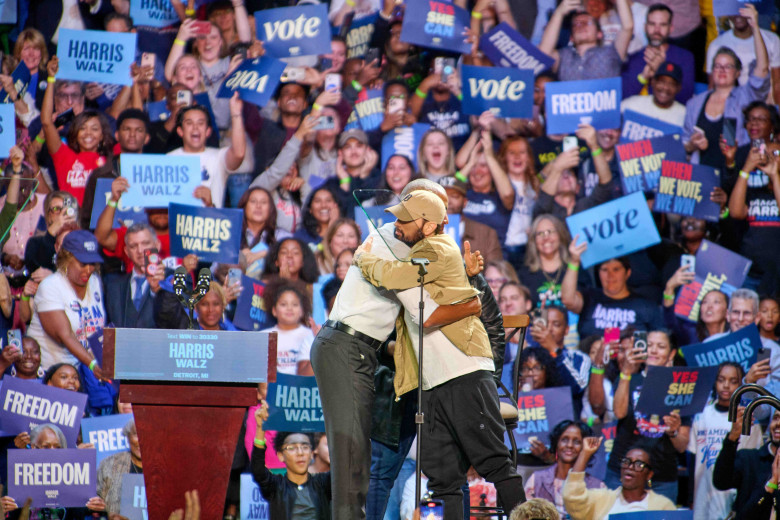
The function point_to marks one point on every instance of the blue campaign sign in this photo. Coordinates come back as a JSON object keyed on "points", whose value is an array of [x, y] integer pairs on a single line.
{"points": [[153, 13], [123, 216], [509, 92], [253, 505], [294, 405], [684, 189], [359, 35], [437, 25], [250, 314], [7, 12], [594, 102], [640, 161], [105, 432], [404, 140], [614, 229], [681, 389], [213, 234], [100, 56], [638, 126], [294, 31], [21, 78], [740, 347], [7, 129], [505, 47], [369, 110], [732, 7], [540, 411], [598, 464], [254, 80], [132, 503], [157, 180], [682, 514], [158, 111], [52, 478]]}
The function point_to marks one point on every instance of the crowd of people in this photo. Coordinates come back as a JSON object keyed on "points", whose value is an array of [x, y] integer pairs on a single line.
{"points": [[307, 168]]}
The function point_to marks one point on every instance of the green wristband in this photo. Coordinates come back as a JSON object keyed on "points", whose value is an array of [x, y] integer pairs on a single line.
{"points": [[771, 485], [573, 267], [93, 364], [345, 181], [596, 370], [461, 177], [420, 94], [668, 297]]}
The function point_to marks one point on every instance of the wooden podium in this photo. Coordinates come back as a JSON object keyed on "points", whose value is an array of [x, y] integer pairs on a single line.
{"points": [[190, 390]]}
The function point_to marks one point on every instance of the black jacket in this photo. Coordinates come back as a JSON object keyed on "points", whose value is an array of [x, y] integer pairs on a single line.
{"points": [[743, 470], [120, 309], [279, 492]]}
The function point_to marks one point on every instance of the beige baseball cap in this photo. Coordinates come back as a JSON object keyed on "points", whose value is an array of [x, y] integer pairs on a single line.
{"points": [[419, 204]]}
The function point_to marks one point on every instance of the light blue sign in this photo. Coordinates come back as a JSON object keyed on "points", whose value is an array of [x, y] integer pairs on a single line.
{"points": [[8, 12], [213, 234], [132, 504], [740, 347], [105, 432], [506, 47], [403, 140], [594, 102], [638, 126], [294, 404], [294, 31], [156, 180], [732, 7], [437, 25], [153, 13], [255, 80], [253, 505], [508, 92], [123, 215], [614, 229], [100, 56], [7, 129]]}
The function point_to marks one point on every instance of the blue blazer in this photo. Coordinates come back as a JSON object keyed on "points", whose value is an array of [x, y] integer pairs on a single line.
{"points": [[119, 303]]}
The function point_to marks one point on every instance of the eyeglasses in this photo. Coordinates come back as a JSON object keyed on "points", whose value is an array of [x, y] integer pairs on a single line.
{"points": [[723, 67], [757, 120], [544, 233], [532, 370], [742, 314], [55, 209], [73, 96], [636, 465], [497, 281], [297, 448], [583, 23]]}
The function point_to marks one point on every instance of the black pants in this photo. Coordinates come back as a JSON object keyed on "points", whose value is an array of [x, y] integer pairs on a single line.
{"points": [[463, 427]]}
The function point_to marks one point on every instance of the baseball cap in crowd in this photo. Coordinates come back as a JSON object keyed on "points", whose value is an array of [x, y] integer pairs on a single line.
{"points": [[671, 70], [83, 245], [420, 204], [453, 183], [354, 133]]}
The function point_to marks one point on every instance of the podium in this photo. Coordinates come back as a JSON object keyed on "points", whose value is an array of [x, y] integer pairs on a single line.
{"points": [[190, 390]]}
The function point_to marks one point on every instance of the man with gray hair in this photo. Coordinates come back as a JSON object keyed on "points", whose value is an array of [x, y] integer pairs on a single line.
{"points": [[112, 468]]}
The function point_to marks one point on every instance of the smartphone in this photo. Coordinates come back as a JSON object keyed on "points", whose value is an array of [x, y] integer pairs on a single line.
{"points": [[539, 317], [611, 334], [763, 353], [688, 261], [431, 510], [15, 339], [240, 49], [233, 277], [333, 82], [293, 74], [64, 118], [148, 59], [730, 131], [373, 53], [184, 97], [570, 143], [760, 145], [151, 261], [201, 27], [396, 104], [325, 64], [70, 211], [325, 123], [696, 129], [640, 341]]}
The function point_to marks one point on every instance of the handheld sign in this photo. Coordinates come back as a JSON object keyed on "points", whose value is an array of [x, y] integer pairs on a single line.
{"points": [[732, 7], [403, 140], [254, 80], [7, 129], [638, 126], [684, 389], [52, 478], [21, 78], [153, 13], [717, 268], [8, 12], [158, 111], [369, 110], [359, 35], [105, 432], [99, 56], [640, 161], [684, 189], [157, 180], [505, 47], [211, 233], [598, 465], [294, 405], [250, 314], [595, 102], [294, 31], [682, 514], [27, 404], [614, 229], [740, 347], [436, 25], [508, 91], [132, 503], [253, 505], [540, 411], [123, 215]]}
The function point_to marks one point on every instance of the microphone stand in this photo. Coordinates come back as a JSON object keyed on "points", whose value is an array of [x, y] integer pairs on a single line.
{"points": [[419, 417], [201, 288]]}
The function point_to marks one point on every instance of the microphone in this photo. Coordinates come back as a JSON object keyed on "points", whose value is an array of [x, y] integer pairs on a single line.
{"points": [[180, 284], [203, 285]]}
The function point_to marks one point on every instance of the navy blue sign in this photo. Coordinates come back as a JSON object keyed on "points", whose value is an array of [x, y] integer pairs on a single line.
{"points": [[158, 111], [294, 405], [52, 478], [100, 56], [437, 25], [369, 110], [506, 47], [684, 189], [638, 126], [509, 92], [640, 161], [133, 500], [255, 80], [105, 432], [123, 215], [740, 347], [594, 102], [540, 411], [7, 129], [732, 7], [250, 314], [21, 77], [294, 31], [359, 35], [598, 464], [253, 505], [153, 13], [682, 389], [213, 234], [404, 140]]}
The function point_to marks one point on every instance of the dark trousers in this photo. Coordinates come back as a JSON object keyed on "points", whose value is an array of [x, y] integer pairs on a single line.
{"points": [[463, 427], [344, 367]]}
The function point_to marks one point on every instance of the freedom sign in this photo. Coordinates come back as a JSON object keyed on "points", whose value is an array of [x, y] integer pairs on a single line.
{"points": [[99, 56], [52, 478], [640, 161], [132, 503], [540, 411], [614, 229], [26, 404], [7, 129], [594, 102], [740, 347], [682, 389], [403, 140], [436, 25], [253, 505], [156, 180], [294, 31], [294, 405], [213, 234], [254, 80], [105, 432], [153, 13], [250, 314], [505, 47], [638, 126], [508, 92], [123, 215], [684, 189]]}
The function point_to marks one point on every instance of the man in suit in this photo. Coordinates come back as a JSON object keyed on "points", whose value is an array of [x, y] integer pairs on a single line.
{"points": [[129, 297], [481, 237]]}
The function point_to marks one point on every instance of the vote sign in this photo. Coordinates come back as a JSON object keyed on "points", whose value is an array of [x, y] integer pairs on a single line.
{"points": [[506, 91], [99, 56], [254, 80], [213, 234], [640, 161], [52, 478], [294, 31], [105, 432], [594, 102], [684, 189]]}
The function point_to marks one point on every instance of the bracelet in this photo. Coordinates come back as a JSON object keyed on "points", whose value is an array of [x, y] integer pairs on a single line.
{"points": [[771, 485], [590, 421], [476, 14], [573, 267], [111, 204], [344, 181], [668, 297], [260, 443], [641, 79], [744, 174], [25, 298], [725, 213], [597, 370], [461, 177], [350, 3], [50, 79], [179, 41], [189, 12], [419, 93], [459, 96], [39, 139], [316, 106], [673, 434], [625, 377], [356, 85], [596, 152], [93, 364]]}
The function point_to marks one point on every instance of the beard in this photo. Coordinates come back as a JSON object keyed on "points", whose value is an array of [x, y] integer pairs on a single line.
{"points": [[418, 235]]}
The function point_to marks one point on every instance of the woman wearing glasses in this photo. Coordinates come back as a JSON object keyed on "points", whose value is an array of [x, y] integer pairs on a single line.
{"points": [[633, 495]]}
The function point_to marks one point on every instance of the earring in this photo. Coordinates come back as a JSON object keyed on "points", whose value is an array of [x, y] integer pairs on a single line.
{"points": [[41, 371], [650, 483]]}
